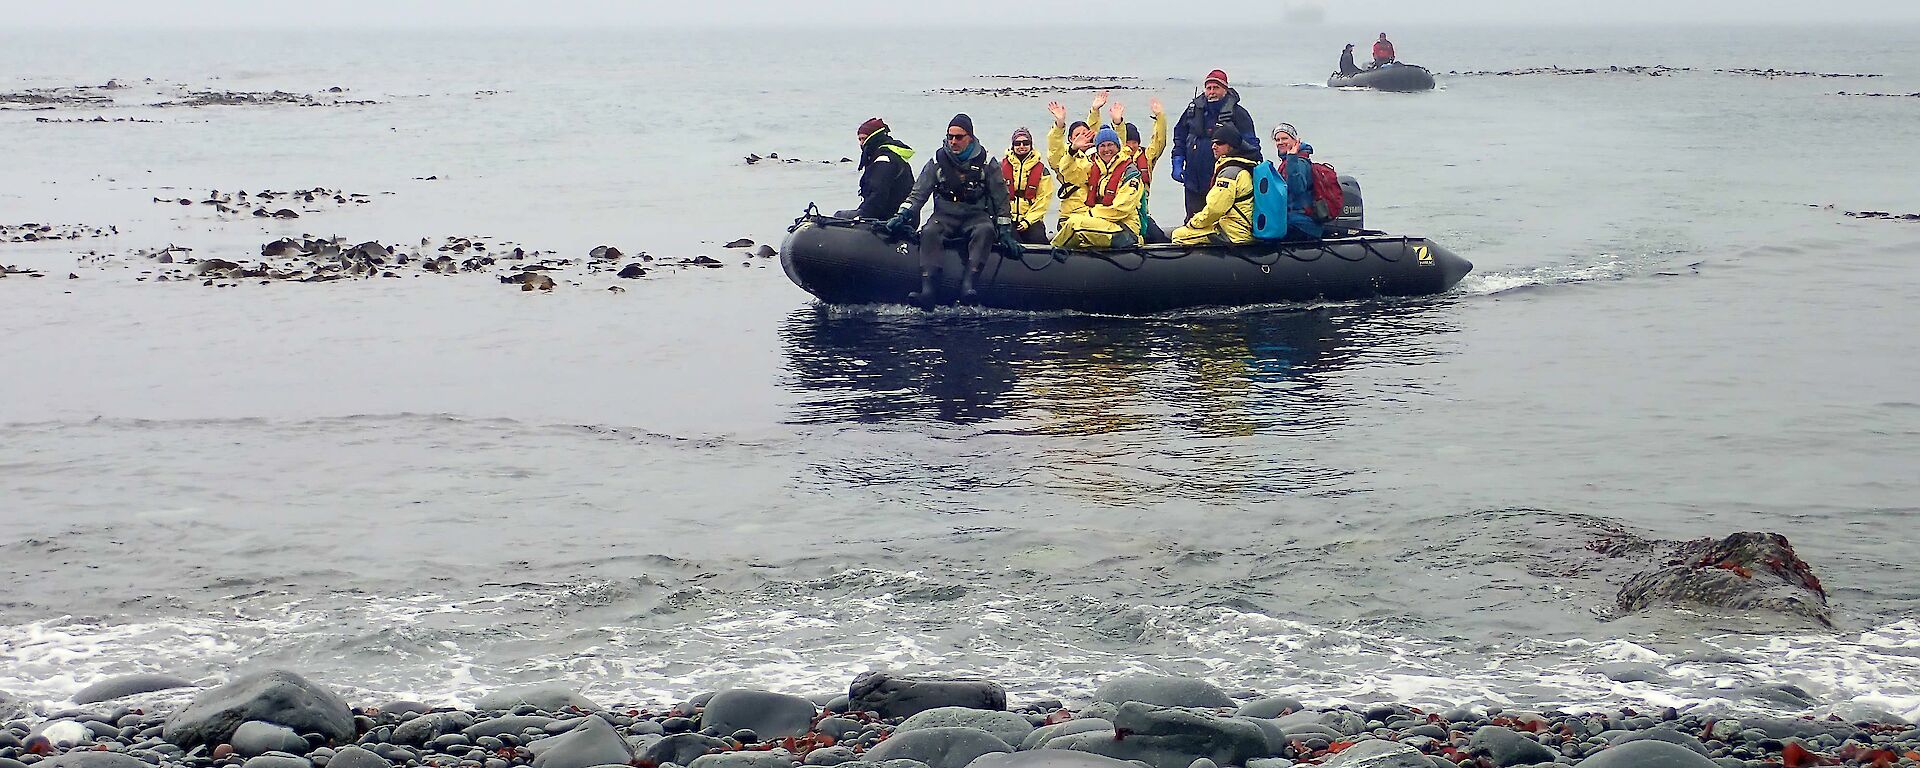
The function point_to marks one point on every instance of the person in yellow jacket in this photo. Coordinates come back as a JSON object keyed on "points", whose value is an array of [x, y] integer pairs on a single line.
{"points": [[1029, 187], [1069, 153], [1227, 218], [1146, 158], [1112, 189]]}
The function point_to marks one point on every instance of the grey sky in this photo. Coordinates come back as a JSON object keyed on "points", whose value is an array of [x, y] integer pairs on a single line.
{"points": [[146, 13]]}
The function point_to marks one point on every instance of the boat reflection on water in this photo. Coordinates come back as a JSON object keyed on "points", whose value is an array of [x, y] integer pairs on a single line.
{"points": [[1215, 374]]}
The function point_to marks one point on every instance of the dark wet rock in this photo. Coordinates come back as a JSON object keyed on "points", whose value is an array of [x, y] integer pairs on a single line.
{"points": [[1647, 754], [275, 696], [1276, 736], [605, 253], [124, 685], [1667, 735], [593, 742], [739, 243], [286, 213], [258, 738], [1746, 572], [276, 760], [1170, 738], [632, 271], [1009, 727], [1379, 753], [702, 260], [769, 715], [1162, 691], [743, 760], [898, 696], [1339, 721], [833, 755], [682, 748], [766, 252], [1049, 758], [355, 757], [1271, 707], [1507, 748], [425, 728], [507, 724], [92, 759], [938, 747], [1041, 736], [1633, 672]]}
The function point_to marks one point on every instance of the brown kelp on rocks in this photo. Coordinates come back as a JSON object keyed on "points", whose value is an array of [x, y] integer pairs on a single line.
{"points": [[280, 719]]}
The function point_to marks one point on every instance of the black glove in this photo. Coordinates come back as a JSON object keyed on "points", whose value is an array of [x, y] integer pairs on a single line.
{"points": [[1010, 243], [897, 226]]}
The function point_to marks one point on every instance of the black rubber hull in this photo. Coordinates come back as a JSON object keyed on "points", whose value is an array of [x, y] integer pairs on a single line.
{"points": [[844, 263], [1398, 77]]}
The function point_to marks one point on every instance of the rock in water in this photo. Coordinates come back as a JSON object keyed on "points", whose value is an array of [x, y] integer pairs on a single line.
{"points": [[1647, 754], [769, 715], [892, 696], [766, 252], [605, 253], [938, 747], [1162, 691], [1507, 748], [275, 696], [631, 271], [1009, 727], [739, 243], [592, 743], [1745, 571]]}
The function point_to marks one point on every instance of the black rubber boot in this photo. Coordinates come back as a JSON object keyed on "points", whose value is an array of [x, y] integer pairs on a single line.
{"points": [[924, 297], [968, 295]]}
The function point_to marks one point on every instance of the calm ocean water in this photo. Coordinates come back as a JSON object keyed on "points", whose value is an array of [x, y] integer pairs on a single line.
{"points": [[437, 486]]}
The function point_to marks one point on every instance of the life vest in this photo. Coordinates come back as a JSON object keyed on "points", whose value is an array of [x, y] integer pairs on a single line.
{"points": [[1383, 51], [1145, 164], [960, 181], [1023, 186], [1101, 187]]}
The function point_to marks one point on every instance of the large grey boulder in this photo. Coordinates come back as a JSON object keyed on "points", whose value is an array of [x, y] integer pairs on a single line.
{"points": [[275, 696], [1049, 758], [593, 742], [92, 759], [770, 715], [1747, 571], [254, 738], [128, 685], [1378, 753], [547, 697], [897, 696], [1507, 748], [682, 748], [1009, 727], [356, 757], [751, 759], [938, 747], [1047, 733], [1170, 738], [1667, 735], [1647, 754], [425, 728], [276, 760], [1162, 691], [1271, 707]]}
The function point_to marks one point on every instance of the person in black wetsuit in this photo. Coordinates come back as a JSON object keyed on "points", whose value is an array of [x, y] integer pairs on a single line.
{"points": [[885, 178], [969, 199], [1347, 67]]}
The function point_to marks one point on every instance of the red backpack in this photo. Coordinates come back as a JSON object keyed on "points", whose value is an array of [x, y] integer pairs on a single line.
{"points": [[1328, 201]]}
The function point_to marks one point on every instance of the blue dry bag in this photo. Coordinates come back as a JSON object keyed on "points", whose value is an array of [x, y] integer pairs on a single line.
{"points": [[1269, 202]]}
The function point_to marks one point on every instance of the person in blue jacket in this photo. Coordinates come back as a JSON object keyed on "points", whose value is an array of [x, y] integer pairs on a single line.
{"points": [[1216, 105], [1292, 160]]}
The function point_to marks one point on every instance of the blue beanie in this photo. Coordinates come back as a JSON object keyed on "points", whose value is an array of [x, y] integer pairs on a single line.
{"points": [[1105, 135]]}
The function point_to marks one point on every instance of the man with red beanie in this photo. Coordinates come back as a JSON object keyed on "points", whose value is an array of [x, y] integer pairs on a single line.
{"points": [[885, 177], [1217, 105]]}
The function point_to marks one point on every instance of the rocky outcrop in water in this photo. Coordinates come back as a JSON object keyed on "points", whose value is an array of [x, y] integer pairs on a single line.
{"points": [[1654, 70], [1743, 572], [35, 232], [278, 697]]}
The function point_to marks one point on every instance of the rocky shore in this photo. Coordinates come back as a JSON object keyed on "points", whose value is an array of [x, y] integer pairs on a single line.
{"points": [[279, 719]]}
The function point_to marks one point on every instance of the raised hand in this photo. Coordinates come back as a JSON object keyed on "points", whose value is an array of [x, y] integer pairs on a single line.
{"points": [[1100, 100], [1154, 105], [1119, 112], [1059, 113]]}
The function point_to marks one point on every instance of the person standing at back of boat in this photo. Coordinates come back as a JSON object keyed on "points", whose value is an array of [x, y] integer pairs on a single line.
{"points": [[1382, 50], [1227, 218], [885, 177], [1029, 188], [1217, 105], [1347, 67], [969, 198], [1293, 161]]}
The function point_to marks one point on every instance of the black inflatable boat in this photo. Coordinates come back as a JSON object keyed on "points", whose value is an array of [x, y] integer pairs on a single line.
{"points": [[850, 261], [1393, 76]]}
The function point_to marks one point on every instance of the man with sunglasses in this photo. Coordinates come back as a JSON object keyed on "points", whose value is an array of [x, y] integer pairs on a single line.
{"points": [[1227, 217], [969, 199], [1029, 188]]}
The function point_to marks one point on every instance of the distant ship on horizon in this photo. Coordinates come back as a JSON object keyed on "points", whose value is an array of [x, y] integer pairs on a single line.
{"points": [[1306, 12]]}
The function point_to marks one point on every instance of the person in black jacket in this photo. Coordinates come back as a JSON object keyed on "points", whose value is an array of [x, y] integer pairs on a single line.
{"points": [[969, 200], [1216, 105], [885, 176]]}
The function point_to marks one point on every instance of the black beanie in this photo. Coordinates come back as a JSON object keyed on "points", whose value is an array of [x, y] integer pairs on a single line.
{"points": [[1077, 125], [1227, 135], [964, 122], [1133, 132]]}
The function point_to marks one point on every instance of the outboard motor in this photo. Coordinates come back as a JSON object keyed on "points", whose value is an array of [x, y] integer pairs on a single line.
{"points": [[1353, 214]]}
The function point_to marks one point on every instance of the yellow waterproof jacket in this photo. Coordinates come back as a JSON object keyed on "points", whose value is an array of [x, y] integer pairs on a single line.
{"points": [[1071, 167], [1230, 201], [1156, 145], [1019, 174], [1125, 208]]}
